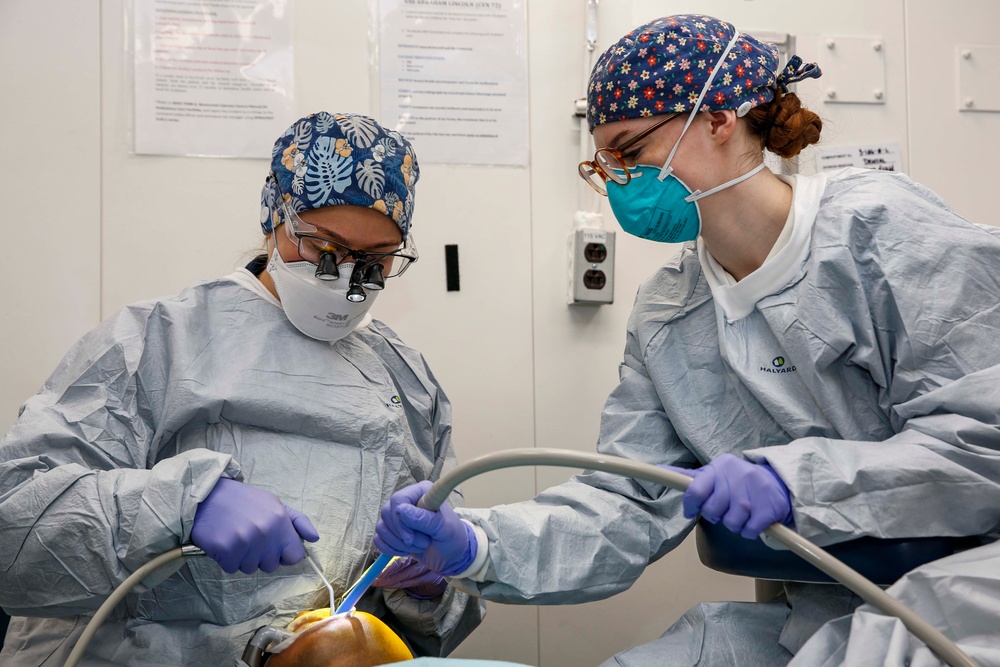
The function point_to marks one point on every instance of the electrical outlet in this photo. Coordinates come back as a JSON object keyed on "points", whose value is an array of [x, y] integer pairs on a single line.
{"points": [[591, 267]]}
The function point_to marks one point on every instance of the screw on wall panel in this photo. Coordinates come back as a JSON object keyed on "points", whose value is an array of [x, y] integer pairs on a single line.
{"points": [[877, 46], [969, 103], [878, 94], [830, 43], [967, 54], [832, 94]]}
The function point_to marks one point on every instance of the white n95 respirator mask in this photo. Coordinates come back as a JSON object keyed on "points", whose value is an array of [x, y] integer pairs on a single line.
{"points": [[318, 308]]}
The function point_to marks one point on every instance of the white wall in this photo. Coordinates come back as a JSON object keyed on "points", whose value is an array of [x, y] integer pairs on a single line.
{"points": [[521, 367], [50, 181], [954, 153]]}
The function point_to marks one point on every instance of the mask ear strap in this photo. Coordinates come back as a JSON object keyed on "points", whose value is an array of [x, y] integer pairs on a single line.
{"points": [[698, 194], [666, 170]]}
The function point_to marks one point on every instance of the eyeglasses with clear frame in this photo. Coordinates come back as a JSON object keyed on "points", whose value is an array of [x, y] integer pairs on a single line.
{"points": [[608, 163], [371, 269]]}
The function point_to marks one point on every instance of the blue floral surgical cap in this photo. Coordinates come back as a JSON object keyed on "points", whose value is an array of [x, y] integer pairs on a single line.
{"points": [[331, 159], [662, 67]]}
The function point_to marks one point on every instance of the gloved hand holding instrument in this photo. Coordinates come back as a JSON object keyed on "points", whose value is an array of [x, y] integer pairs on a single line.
{"points": [[244, 528], [440, 540]]}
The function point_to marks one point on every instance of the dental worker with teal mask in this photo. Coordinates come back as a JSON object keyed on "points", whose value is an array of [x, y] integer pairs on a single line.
{"points": [[648, 196], [660, 207], [817, 350]]}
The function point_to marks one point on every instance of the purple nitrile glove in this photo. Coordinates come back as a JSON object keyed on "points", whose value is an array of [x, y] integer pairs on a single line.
{"points": [[245, 528], [745, 496], [440, 540], [413, 578]]}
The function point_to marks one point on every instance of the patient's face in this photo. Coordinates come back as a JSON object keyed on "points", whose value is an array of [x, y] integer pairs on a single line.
{"points": [[345, 640]]}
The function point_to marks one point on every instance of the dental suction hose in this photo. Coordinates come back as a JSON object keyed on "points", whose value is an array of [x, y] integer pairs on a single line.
{"points": [[441, 489], [188, 551], [869, 592]]}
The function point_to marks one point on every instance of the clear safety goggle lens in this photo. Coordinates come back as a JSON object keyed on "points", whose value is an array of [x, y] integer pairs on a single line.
{"points": [[593, 178], [313, 248], [313, 245], [606, 166], [612, 167]]}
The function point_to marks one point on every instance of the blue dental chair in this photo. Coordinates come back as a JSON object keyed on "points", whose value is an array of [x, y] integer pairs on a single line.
{"points": [[883, 561]]}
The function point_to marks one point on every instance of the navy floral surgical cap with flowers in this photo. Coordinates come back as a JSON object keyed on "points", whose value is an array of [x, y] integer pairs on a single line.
{"points": [[662, 67]]}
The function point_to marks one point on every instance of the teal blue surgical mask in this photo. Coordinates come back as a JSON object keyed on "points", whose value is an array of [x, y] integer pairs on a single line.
{"points": [[656, 205], [653, 209]]}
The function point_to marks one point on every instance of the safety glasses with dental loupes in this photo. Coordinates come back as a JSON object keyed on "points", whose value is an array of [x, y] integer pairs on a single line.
{"points": [[315, 245]]}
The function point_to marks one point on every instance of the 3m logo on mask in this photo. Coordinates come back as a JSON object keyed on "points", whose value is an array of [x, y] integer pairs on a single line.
{"points": [[778, 365], [336, 317]]}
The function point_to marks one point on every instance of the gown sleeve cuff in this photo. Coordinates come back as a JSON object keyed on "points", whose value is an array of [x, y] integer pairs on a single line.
{"points": [[477, 569]]}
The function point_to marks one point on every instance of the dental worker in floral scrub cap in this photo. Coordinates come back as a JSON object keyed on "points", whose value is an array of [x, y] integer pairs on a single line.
{"points": [[822, 351], [245, 415]]}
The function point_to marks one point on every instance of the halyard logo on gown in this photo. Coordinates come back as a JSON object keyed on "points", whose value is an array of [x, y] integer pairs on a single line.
{"points": [[778, 365]]}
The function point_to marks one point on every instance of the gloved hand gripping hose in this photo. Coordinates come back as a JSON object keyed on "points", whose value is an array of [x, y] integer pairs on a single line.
{"points": [[441, 489]]}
